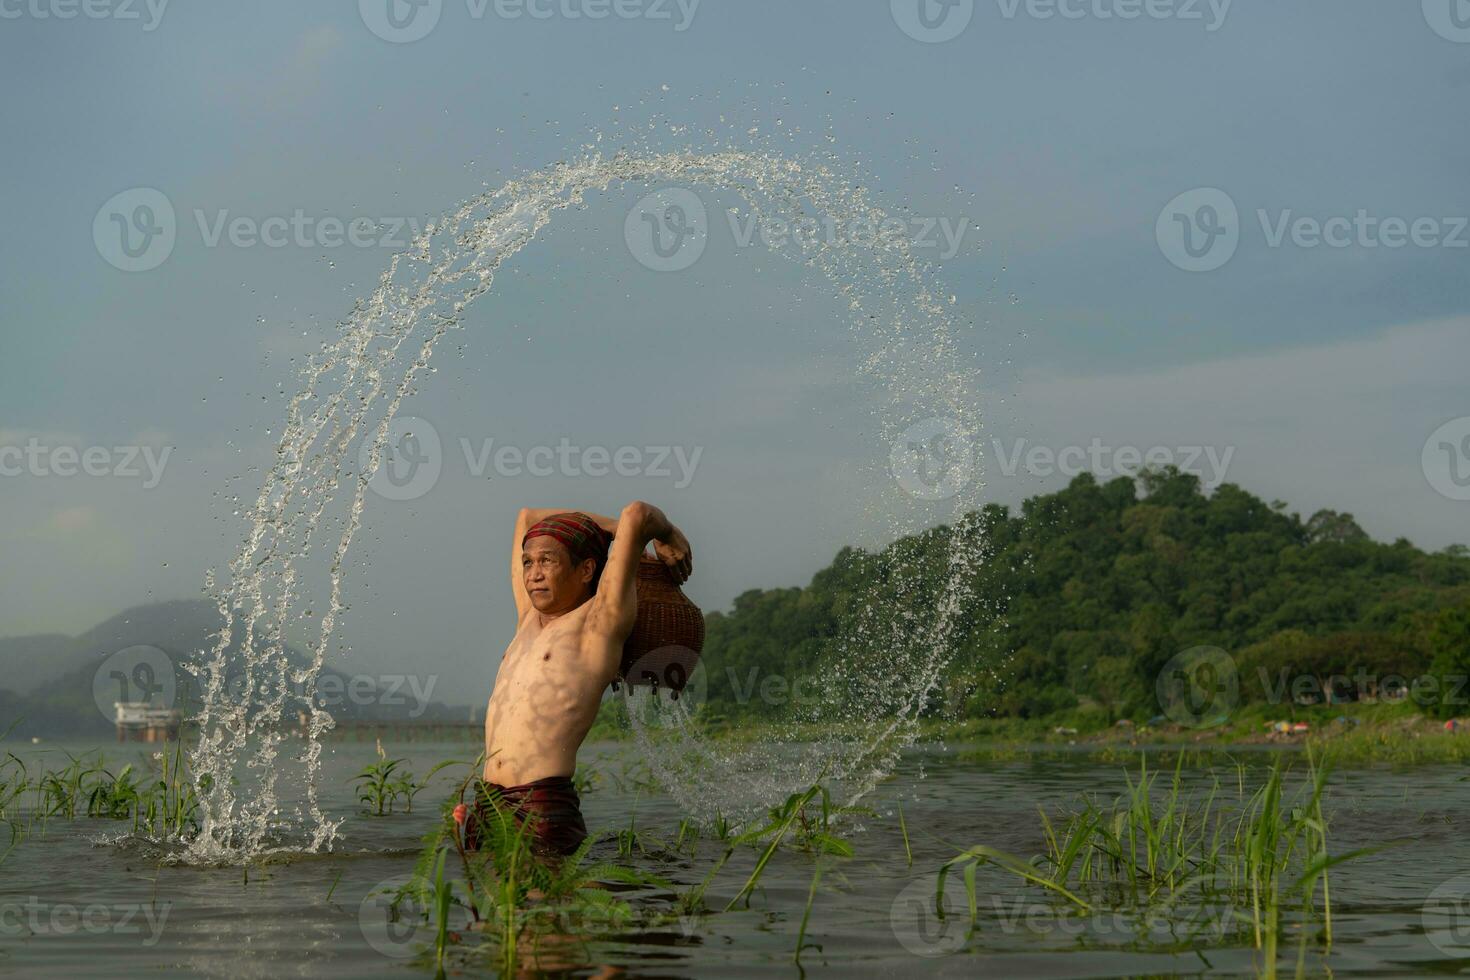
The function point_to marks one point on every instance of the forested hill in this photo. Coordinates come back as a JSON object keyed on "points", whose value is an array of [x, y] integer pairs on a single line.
{"points": [[1088, 593]]}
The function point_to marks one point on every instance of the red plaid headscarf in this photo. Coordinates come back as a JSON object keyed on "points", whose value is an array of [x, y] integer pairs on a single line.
{"points": [[581, 535]]}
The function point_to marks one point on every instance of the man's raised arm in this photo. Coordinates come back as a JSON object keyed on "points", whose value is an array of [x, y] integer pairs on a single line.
{"points": [[615, 606]]}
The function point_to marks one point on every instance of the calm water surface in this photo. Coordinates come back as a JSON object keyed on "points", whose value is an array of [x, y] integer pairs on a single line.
{"points": [[73, 904]]}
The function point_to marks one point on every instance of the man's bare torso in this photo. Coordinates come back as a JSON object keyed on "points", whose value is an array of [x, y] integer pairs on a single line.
{"points": [[546, 696]]}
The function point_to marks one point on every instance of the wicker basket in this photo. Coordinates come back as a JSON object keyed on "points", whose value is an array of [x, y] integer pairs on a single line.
{"points": [[668, 635]]}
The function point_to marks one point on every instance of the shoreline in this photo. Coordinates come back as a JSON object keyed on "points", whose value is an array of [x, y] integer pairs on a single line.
{"points": [[1345, 735]]}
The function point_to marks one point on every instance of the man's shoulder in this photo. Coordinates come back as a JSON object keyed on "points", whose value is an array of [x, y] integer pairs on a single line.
{"points": [[598, 629]]}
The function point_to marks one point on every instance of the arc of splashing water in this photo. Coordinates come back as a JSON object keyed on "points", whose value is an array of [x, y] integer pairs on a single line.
{"points": [[424, 293]]}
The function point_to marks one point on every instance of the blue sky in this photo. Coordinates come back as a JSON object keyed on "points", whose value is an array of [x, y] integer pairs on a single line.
{"points": [[1318, 372]]}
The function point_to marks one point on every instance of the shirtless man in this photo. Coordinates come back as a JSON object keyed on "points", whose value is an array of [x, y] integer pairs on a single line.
{"points": [[576, 601]]}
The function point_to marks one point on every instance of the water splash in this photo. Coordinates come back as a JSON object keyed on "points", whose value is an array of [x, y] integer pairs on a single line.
{"points": [[890, 653]]}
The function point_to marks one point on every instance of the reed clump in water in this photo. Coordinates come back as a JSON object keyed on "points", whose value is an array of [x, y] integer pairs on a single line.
{"points": [[1259, 858], [383, 783], [158, 799], [14, 781], [805, 821]]}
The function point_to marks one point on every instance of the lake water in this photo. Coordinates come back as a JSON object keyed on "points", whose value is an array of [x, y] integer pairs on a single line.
{"points": [[72, 904]]}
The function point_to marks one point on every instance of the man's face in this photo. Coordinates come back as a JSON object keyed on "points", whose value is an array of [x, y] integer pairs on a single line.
{"points": [[555, 583]]}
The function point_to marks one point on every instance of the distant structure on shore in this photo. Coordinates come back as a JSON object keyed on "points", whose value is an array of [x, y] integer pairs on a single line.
{"points": [[145, 723], [431, 729]]}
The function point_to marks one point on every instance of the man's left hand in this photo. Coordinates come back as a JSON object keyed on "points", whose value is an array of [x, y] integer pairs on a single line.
{"points": [[675, 554]]}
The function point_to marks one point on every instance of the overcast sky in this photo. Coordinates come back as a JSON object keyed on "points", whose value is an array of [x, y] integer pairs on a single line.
{"points": [[1318, 361]]}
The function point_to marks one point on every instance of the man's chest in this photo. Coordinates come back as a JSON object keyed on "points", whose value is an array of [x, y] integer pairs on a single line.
{"points": [[541, 654]]}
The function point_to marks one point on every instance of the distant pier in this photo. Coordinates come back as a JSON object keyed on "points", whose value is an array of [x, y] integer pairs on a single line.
{"points": [[143, 722], [401, 730]]}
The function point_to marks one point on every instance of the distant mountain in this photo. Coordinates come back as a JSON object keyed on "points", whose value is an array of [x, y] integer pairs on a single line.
{"points": [[27, 661], [47, 682]]}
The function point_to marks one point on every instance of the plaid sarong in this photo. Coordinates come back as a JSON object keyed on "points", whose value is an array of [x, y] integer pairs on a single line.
{"points": [[551, 805]]}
